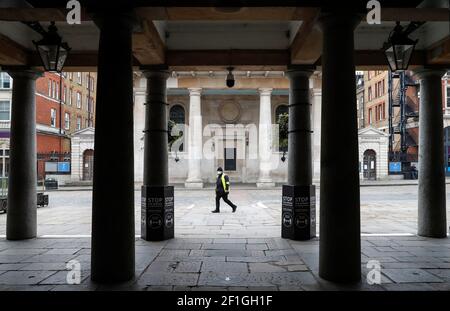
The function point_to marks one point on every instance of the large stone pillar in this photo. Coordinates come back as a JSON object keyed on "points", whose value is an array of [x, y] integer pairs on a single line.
{"points": [[195, 140], [265, 139], [299, 157], [139, 91], [316, 103], [340, 245], [432, 220], [156, 172], [112, 257], [21, 220]]}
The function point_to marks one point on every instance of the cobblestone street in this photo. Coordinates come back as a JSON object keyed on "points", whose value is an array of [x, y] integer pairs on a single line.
{"points": [[226, 251]]}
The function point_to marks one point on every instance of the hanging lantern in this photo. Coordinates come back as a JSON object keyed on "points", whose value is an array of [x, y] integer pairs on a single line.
{"points": [[52, 51], [398, 49]]}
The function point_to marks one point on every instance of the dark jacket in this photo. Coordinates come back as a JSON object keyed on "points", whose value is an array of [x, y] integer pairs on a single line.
{"points": [[219, 184]]}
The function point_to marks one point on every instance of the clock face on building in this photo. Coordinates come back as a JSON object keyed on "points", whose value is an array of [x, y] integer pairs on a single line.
{"points": [[230, 111]]}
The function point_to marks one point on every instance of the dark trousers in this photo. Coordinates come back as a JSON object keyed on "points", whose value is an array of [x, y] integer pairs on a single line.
{"points": [[224, 196]]}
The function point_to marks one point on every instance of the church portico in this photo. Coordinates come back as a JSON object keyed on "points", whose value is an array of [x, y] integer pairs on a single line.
{"points": [[216, 126]]}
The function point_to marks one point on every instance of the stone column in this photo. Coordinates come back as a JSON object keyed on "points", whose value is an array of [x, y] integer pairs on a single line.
{"points": [[156, 172], [316, 102], [432, 220], [139, 91], [299, 156], [340, 245], [113, 234], [21, 219], [265, 139], [195, 140]]}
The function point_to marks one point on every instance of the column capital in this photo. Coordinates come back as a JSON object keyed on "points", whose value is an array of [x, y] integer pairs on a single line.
{"points": [[339, 18], [24, 73], [195, 91], [426, 72], [297, 71], [265, 91], [158, 72]]}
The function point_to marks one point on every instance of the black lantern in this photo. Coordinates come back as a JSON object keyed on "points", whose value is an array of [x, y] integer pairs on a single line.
{"points": [[52, 50], [230, 77], [398, 49]]}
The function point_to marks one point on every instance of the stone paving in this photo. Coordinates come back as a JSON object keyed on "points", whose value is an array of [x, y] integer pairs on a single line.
{"points": [[407, 263], [386, 209], [227, 251]]}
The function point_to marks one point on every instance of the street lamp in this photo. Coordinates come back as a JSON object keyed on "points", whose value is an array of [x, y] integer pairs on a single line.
{"points": [[230, 77], [398, 49], [52, 50]]}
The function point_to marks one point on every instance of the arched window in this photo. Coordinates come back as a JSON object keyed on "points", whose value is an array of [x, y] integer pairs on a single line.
{"points": [[281, 118], [176, 117]]}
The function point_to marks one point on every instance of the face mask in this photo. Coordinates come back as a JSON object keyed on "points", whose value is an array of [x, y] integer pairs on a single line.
{"points": [[219, 172]]}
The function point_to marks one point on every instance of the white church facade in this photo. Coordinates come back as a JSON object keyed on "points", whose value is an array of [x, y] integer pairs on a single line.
{"points": [[224, 127]]}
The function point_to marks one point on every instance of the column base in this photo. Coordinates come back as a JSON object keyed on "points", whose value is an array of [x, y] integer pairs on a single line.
{"points": [[265, 184], [193, 184], [157, 213]]}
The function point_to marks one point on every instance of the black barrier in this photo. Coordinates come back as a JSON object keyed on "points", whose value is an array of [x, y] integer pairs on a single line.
{"points": [[157, 213], [298, 216]]}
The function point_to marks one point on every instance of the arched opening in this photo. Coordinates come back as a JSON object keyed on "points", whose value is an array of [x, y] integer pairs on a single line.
{"points": [[370, 165], [282, 119], [88, 164], [176, 118], [447, 150]]}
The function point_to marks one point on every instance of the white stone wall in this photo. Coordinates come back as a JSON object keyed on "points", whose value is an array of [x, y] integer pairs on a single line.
{"points": [[373, 139], [80, 142]]}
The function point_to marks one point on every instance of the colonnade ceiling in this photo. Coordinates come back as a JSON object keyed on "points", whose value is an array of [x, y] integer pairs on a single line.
{"points": [[211, 35]]}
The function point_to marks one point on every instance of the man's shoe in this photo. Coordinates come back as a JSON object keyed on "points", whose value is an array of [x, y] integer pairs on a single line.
{"points": [[234, 208], [215, 211]]}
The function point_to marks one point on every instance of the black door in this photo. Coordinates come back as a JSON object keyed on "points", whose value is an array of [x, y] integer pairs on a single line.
{"points": [[230, 159], [370, 165]]}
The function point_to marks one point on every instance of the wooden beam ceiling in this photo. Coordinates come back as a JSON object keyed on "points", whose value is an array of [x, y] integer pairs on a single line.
{"points": [[148, 48], [306, 47], [210, 13], [11, 53], [439, 53]]}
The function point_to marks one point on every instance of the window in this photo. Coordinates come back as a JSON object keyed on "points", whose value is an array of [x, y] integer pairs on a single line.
{"points": [[78, 123], [49, 88], [4, 162], [281, 118], [370, 115], [176, 117], [5, 110], [369, 93], [92, 84], [67, 121], [70, 97], [384, 111], [5, 80], [448, 95], [53, 89], [78, 100], [57, 90], [64, 94], [53, 117], [87, 103], [79, 79], [71, 75]]}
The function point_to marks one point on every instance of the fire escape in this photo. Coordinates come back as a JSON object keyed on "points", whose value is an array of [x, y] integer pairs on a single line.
{"points": [[401, 111]]}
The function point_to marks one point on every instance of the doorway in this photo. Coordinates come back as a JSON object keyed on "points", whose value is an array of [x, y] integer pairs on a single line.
{"points": [[370, 165], [230, 159], [88, 164]]}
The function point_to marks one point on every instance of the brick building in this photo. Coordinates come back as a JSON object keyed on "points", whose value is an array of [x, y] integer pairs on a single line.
{"points": [[64, 104]]}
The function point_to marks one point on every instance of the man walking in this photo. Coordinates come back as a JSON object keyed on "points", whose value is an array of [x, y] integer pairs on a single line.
{"points": [[222, 190]]}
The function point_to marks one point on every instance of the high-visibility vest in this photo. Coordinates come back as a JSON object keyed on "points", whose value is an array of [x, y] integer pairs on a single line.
{"points": [[224, 184]]}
